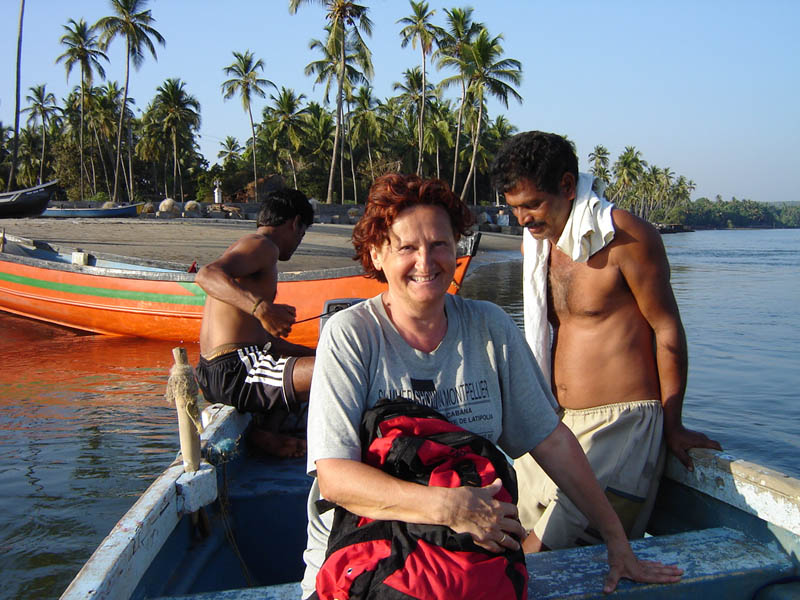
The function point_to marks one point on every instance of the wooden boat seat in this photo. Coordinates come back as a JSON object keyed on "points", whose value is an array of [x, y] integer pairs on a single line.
{"points": [[717, 563]]}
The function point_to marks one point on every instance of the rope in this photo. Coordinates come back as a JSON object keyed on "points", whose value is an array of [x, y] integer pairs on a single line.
{"points": [[182, 384], [224, 513], [325, 314]]}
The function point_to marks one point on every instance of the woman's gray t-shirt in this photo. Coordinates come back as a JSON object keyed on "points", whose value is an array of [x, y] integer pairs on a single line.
{"points": [[482, 376]]}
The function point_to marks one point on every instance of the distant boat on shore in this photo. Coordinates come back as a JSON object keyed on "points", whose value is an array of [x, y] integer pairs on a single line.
{"points": [[672, 228], [29, 202], [128, 210]]}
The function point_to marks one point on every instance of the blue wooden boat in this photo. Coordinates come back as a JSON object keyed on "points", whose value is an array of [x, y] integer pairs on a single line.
{"points": [[128, 210], [29, 202], [235, 530]]}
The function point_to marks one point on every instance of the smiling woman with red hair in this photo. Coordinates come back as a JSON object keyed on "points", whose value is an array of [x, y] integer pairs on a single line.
{"points": [[464, 358], [392, 194]]}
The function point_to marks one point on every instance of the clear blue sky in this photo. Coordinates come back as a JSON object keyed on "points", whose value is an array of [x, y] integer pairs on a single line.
{"points": [[708, 88]]}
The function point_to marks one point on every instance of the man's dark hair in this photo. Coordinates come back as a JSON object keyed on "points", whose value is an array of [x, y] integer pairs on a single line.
{"points": [[541, 157], [283, 205]]}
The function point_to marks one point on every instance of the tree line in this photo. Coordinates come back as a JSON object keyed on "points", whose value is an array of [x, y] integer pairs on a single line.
{"points": [[98, 148]]}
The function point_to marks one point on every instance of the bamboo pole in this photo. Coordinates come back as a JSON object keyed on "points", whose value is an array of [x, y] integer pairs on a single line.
{"points": [[182, 392]]}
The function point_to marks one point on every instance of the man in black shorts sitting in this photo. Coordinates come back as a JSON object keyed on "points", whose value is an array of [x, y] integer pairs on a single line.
{"points": [[243, 360]]}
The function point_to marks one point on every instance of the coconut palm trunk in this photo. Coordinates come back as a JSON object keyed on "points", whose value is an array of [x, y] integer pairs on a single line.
{"points": [[44, 143], [15, 143], [102, 160], [80, 135], [421, 111], [294, 170], [329, 199], [341, 157], [369, 155], [352, 158], [174, 165], [458, 132], [475, 141], [122, 118], [255, 172], [130, 163]]}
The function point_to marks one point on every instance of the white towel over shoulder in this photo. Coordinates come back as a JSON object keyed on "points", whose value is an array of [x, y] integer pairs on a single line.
{"points": [[589, 229]]}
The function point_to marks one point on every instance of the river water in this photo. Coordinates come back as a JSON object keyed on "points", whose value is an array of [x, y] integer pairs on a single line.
{"points": [[84, 427]]}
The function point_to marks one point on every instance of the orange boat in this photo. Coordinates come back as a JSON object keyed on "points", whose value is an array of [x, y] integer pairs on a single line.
{"points": [[116, 295]]}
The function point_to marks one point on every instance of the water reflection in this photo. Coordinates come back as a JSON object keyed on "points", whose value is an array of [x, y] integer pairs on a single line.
{"points": [[84, 428]]}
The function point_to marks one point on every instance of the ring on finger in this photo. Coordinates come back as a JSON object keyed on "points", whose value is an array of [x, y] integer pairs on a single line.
{"points": [[502, 539]]}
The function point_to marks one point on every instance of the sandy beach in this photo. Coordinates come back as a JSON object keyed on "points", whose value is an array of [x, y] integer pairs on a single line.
{"points": [[203, 240]]}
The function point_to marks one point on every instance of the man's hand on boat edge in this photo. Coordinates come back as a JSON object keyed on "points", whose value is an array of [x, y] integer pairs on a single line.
{"points": [[680, 440], [623, 563]]}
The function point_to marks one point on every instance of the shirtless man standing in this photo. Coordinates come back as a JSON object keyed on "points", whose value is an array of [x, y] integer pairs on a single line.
{"points": [[243, 360], [619, 357]]}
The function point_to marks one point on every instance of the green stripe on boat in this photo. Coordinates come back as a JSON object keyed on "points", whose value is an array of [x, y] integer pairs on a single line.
{"points": [[197, 298]]}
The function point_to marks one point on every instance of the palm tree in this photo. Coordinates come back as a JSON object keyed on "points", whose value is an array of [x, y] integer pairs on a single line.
{"points": [[150, 145], [42, 108], [327, 70], [287, 123], [132, 22], [439, 132], [453, 43], [231, 150], [246, 82], [15, 142], [490, 73], [318, 141], [6, 133], [29, 141], [497, 133], [82, 49], [602, 173], [179, 116], [401, 135], [411, 98], [365, 124], [419, 29], [599, 159], [345, 18], [103, 104], [627, 171]]}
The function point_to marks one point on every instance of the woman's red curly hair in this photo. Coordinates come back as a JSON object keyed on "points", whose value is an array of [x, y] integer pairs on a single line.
{"points": [[390, 195]]}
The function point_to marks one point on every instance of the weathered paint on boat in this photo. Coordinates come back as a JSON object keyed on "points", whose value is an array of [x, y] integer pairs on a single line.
{"points": [[731, 525], [116, 295], [129, 210]]}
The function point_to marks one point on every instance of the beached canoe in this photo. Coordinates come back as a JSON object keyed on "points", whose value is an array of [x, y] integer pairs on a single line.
{"points": [[116, 295], [29, 202], [236, 529], [128, 210]]}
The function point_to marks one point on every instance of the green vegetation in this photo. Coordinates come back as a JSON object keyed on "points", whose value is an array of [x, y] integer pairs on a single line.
{"points": [[657, 195], [96, 137]]}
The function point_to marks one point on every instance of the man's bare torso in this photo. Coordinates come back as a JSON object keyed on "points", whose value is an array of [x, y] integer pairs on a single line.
{"points": [[224, 324], [603, 347]]}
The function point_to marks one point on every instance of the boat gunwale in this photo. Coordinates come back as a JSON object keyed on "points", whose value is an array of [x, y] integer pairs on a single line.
{"points": [[767, 494]]}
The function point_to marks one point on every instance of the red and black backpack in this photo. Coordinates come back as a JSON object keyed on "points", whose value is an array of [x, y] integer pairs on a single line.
{"points": [[393, 560]]}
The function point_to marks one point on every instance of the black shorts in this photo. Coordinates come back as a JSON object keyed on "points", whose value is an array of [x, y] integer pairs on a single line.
{"points": [[249, 379]]}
